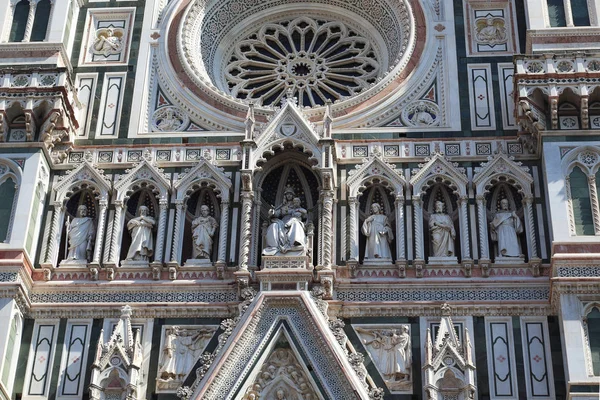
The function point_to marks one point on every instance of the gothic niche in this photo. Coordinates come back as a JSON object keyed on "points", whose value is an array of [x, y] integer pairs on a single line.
{"points": [[289, 211], [79, 234], [201, 230], [506, 229], [139, 228], [441, 224], [376, 225]]}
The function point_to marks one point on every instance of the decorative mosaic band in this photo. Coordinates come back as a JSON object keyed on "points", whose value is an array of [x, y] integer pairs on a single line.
{"points": [[541, 293]]}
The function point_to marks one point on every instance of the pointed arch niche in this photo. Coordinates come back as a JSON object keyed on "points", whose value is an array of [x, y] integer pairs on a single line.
{"points": [[85, 185], [502, 177], [202, 183], [288, 167], [376, 181], [143, 185], [440, 180], [10, 182]]}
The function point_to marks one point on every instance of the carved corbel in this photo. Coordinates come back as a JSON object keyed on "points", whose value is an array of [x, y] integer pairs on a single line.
{"points": [[4, 129], [554, 111], [30, 126], [585, 120]]}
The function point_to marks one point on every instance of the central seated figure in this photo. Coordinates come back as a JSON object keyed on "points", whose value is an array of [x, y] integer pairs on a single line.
{"points": [[286, 234]]}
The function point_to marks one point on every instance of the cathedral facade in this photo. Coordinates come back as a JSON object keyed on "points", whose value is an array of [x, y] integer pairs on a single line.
{"points": [[289, 200]]}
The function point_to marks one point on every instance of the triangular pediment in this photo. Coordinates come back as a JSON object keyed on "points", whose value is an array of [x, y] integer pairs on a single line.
{"points": [[375, 169], [203, 171], [502, 166], [84, 173], [269, 318], [438, 167], [289, 125], [143, 171]]}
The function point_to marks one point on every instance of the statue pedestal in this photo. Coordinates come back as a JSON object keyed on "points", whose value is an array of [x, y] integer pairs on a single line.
{"points": [[377, 261], [443, 261], [285, 273], [198, 262], [509, 260], [135, 263], [73, 263]]}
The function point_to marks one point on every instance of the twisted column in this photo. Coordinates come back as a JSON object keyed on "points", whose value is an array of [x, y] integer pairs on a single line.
{"points": [[9, 17], [400, 248], [464, 227], [572, 229], [353, 203], [483, 231], [247, 199], [594, 201], [530, 227], [163, 206], [30, 19], [223, 231], [177, 230], [327, 228], [418, 217], [100, 230], [117, 226], [54, 236]]}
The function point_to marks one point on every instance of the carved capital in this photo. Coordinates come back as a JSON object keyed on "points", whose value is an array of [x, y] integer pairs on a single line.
{"points": [[480, 197], [528, 200]]}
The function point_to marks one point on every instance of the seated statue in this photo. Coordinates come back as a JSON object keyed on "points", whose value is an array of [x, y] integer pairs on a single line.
{"points": [[286, 233]]}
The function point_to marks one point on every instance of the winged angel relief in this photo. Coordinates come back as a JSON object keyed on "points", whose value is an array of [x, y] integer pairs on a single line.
{"points": [[491, 30], [108, 41]]}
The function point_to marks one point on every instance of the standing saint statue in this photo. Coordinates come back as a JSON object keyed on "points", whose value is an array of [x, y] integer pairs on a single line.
{"points": [[391, 351], [379, 234], [286, 234], [182, 349], [81, 231], [504, 229], [442, 232], [142, 243], [203, 230]]}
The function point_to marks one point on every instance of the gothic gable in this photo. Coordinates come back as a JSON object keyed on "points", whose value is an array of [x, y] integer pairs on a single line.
{"points": [[259, 329], [85, 174], [143, 172], [439, 169], [205, 172], [376, 169], [501, 167]]}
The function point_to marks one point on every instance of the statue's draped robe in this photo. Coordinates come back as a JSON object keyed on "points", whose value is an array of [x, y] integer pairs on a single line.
{"points": [[505, 227], [286, 231], [394, 354], [202, 235], [379, 234], [142, 242], [81, 234], [442, 235]]}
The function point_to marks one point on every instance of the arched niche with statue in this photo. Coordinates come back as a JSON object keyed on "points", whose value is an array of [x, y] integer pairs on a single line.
{"points": [[202, 187], [440, 210], [140, 218], [376, 203], [80, 207]]}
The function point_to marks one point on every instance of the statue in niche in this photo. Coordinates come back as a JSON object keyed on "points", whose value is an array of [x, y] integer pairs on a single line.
{"points": [[81, 231], [203, 230], [379, 234], [422, 117], [391, 352], [286, 234], [442, 232], [142, 243], [181, 351], [504, 229]]}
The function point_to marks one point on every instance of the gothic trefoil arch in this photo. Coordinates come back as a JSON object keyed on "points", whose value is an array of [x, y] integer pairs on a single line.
{"points": [[376, 169], [86, 176], [144, 174], [502, 168], [203, 174], [439, 170]]}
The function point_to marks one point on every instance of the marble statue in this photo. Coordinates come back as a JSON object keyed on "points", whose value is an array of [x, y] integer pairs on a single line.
{"points": [[81, 231], [379, 234], [203, 230], [442, 232], [392, 354], [142, 243], [504, 229], [286, 233], [182, 349]]}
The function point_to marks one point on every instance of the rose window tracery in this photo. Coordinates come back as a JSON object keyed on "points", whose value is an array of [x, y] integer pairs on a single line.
{"points": [[312, 59]]}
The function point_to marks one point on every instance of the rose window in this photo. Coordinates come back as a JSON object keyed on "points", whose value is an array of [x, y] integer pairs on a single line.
{"points": [[312, 59]]}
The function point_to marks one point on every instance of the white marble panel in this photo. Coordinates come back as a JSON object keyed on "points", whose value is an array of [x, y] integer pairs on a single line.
{"points": [[501, 358], [74, 359], [111, 104], [481, 97], [537, 358], [41, 359]]}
